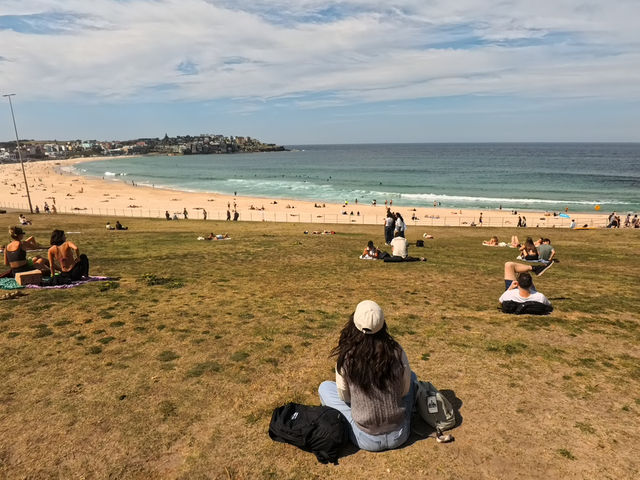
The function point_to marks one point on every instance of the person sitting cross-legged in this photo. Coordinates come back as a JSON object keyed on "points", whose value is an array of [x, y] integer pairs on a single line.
{"points": [[400, 250], [374, 386]]}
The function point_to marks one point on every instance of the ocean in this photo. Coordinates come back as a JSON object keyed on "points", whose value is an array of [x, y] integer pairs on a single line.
{"points": [[520, 176]]}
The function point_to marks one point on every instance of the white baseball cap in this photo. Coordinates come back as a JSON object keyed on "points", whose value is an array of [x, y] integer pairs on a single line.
{"points": [[368, 317]]}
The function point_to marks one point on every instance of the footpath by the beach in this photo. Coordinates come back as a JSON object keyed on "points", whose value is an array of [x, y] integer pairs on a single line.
{"points": [[74, 194]]}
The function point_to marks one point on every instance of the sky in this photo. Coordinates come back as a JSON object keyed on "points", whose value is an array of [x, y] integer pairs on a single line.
{"points": [[309, 71]]}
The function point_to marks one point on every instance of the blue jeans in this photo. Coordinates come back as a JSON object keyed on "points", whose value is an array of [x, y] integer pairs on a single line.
{"points": [[328, 392]]}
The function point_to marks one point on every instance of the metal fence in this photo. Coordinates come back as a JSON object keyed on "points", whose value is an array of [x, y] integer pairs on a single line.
{"points": [[460, 220]]}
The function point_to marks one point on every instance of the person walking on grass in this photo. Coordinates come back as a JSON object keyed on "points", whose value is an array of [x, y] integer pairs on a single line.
{"points": [[374, 387]]}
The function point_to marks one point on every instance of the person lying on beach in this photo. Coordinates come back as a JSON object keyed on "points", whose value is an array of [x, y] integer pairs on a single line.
{"points": [[374, 386], [67, 255], [108, 226], [15, 253], [120, 227], [23, 220], [528, 251], [400, 250], [371, 251], [521, 290]]}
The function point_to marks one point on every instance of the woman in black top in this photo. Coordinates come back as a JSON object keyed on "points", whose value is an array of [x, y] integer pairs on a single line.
{"points": [[15, 253]]}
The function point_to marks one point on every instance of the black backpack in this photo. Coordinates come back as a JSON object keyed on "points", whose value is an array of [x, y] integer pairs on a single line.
{"points": [[526, 308], [320, 430]]}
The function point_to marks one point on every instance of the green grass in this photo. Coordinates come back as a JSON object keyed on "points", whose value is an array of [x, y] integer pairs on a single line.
{"points": [[183, 358]]}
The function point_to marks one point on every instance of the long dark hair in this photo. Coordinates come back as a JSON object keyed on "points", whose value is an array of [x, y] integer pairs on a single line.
{"points": [[368, 360], [57, 237], [529, 245]]}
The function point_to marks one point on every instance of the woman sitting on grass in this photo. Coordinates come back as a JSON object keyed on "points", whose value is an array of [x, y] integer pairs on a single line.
{"points": [[371, 251], [15, 253], [528, 251], [374, 387], [67, 255]]}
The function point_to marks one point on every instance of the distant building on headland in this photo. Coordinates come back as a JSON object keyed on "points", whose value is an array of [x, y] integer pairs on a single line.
{"points": [[181, 145]]}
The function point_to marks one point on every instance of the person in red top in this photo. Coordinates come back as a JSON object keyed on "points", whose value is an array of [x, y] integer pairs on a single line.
{"points": [[67, 255]]}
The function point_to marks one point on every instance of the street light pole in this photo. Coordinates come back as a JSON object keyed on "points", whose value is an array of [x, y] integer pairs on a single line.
{"points": [[26, 184]]}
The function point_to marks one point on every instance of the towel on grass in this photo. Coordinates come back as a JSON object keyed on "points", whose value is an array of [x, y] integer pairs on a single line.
{"points": [[537, 260], [11, 284], [74, 284]]}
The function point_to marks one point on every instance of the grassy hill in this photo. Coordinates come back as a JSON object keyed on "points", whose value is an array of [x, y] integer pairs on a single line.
{"points": [[172, 369]]}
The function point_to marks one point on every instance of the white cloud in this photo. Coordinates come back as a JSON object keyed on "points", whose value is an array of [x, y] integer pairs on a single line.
{"points": [[348, 51]]}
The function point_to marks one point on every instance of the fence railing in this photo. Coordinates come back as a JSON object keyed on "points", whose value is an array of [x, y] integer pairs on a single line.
{"points": [[325, 218]]}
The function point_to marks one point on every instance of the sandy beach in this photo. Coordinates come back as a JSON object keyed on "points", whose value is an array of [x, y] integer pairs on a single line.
{"points": [[117, 199]]}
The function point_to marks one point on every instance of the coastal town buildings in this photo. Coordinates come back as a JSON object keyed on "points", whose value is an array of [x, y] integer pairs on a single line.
{"points": [[181, 145]]}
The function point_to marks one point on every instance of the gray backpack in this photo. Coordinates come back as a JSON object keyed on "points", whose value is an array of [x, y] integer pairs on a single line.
{"points": [[434, 408]]}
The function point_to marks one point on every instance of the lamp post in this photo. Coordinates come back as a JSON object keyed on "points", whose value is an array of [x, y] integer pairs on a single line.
{"points": [[26, 184]]}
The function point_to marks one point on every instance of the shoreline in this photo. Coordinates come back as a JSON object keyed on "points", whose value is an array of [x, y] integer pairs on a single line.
{"points": [[75, 193]]}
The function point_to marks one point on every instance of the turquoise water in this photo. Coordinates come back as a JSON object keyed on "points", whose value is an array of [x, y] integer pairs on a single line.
{"points": [[515, 176]]}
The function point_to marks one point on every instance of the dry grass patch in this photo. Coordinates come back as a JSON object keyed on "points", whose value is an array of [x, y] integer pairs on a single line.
{"points": [[172, 370]]}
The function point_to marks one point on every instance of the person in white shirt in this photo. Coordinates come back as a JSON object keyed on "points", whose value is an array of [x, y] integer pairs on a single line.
{"points": [[400, 251], [522, 290], [399, 246]]}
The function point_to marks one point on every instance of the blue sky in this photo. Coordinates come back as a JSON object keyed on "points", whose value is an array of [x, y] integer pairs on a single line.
{"points": [[308, 71]]}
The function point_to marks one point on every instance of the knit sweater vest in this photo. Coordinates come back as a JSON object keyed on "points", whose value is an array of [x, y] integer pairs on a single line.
{"points": [[378, 412]]}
